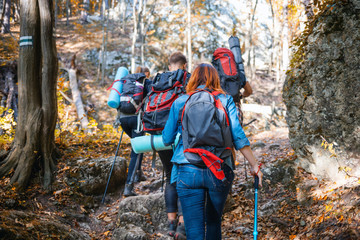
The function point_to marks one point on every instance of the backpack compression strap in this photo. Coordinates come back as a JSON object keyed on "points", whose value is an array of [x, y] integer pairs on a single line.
{"points": [[211, 161]]}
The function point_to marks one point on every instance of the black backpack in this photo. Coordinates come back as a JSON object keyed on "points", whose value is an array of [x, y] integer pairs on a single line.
{"points": [[206, 131], [231, 79], [132, 92], [166, 88]]}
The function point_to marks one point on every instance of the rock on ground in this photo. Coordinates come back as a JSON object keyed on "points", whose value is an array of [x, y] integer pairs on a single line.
{"points": [[91, 175]]}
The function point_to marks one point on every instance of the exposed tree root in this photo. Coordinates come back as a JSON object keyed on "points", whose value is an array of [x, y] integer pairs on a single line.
{"points": [[25, 153]]}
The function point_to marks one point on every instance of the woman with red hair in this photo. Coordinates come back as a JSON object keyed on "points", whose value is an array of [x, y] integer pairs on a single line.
{"points": [[202, 194]]}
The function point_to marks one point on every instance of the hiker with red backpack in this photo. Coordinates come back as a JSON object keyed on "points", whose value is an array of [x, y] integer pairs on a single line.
{"points": [[166, 88], [230, 67], [208, 122]]}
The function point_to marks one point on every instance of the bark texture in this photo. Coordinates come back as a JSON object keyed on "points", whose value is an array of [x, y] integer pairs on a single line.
{"points": [[37, 72], [322, 94], [5, 28]]}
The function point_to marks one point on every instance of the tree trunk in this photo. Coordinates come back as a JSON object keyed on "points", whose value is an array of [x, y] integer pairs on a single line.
{"points": [[285, 37], [272, 38], [251, 44], [56, 12], [67, 12], [142, 33], [9, 80], [5, 28], [85, 11], [123, 10], [189, 35], [134, 38], [76, 95], [104, 45], [34, 138], [2, 13]]}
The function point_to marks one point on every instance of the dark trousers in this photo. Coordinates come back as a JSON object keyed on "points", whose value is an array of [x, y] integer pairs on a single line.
{"points": [[129, 125], [171, 197]]}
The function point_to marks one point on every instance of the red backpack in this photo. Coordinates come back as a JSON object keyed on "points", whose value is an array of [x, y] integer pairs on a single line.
{"points": [[230, 78], [206, 131], [166, 88]]}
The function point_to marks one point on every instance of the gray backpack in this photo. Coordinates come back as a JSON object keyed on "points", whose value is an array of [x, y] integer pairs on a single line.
{"points": [[206, 129]]}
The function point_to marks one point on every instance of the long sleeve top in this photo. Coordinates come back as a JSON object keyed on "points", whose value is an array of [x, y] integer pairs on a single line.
{"points": [[173, 127]]}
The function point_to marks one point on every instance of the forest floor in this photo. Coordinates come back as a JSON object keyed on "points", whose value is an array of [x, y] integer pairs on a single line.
{"points": [[302, 207]]}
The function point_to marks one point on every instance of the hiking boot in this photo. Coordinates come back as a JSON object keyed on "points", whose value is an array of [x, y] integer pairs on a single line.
{"points": [[180, 233], [128, 191], [171, 227], [139, 176]]}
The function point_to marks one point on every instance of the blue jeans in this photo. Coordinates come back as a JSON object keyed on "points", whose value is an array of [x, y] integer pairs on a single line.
{"points": [[129, 125], [202, 198]]}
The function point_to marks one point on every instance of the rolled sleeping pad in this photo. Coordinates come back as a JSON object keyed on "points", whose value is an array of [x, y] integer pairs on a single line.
{"points": [[234, 45], [149, 143], [116, 88]]}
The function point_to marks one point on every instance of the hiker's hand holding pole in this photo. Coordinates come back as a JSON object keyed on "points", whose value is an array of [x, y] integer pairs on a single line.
{"points": [[255, 167]]}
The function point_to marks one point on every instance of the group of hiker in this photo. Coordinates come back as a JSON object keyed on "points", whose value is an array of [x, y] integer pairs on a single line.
{"points": [[200, 108]]}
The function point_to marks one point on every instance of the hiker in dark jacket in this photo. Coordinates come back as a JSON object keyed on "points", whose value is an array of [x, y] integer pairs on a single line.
{"points": [[129, 123], [201, 194], [176, 228]]}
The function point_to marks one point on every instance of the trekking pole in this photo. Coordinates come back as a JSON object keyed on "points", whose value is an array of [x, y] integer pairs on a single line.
{"points": [[256, 185], [162, 180], [112, 167]]}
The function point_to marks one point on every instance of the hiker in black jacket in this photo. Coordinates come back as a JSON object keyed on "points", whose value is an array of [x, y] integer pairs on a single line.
{"points": [[129, 123]]}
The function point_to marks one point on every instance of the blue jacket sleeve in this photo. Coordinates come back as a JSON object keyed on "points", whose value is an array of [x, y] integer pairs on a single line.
{"points": [[170, 130], [239, 138]]}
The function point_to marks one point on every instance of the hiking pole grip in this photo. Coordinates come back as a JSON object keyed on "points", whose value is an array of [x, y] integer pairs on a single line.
{"points": [[256, 183], [112, 167]]}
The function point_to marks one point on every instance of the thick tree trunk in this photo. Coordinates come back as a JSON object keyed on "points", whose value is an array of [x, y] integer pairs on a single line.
{"points": [[5, 28], [48, 88], [34, 138]]}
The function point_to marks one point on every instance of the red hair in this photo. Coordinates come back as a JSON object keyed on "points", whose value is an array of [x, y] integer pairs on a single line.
{"points": [[204, 74]]}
